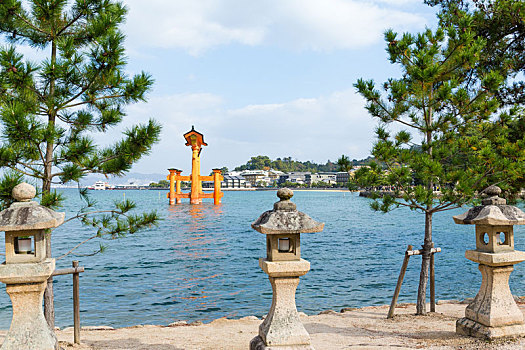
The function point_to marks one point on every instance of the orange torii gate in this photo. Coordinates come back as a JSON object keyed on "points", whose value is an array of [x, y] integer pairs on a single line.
{"points": [[196, 140]]}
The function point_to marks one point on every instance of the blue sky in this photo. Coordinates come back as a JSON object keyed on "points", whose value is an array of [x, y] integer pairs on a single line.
{"points": [[261, 77]]}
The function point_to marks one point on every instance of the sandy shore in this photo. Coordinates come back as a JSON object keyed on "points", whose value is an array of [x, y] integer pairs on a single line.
{"points": [[365, 328], [320, 190]]}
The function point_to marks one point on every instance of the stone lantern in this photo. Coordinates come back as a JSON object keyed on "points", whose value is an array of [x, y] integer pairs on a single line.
{"points": [[282, 226], [26, 269], [493, 313]]}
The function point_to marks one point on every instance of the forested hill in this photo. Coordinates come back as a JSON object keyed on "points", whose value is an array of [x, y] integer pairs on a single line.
{"points": [[287, 164]]}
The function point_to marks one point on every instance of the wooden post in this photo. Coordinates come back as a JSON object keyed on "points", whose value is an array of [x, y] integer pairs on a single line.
{"points": [[177, 186], [76, 304], [171, 179], [432, 283], [399, 283], [217, 186], [195, 174]]}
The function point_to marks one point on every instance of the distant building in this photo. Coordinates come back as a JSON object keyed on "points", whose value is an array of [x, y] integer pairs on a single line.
{"points": [[326, 177], [255, 177], [342, 178], [234, 182], [294, 177], [274, 174], [207, 184]]}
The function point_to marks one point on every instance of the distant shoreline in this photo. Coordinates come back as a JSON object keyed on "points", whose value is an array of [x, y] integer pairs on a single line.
{"points": [[322, 190], [342, 189]]}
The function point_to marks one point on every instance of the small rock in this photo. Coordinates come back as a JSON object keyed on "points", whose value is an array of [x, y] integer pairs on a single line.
{"points": [[196, 323], [449, 301], [467, 301], [327, 312], [302, 314], [348, 309], [220, 320], [263, 317], [57, 329], [250, 318], [178, 323], [405, 305], [97, 328]]}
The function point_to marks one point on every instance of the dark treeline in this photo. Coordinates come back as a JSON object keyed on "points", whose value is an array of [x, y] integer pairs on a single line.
{"points": [[287, 164]]}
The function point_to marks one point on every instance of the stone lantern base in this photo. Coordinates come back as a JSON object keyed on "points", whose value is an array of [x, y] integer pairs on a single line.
{"points": [[467, 327], [282, 329], [25, 284], [258, 344], [493, 313]]}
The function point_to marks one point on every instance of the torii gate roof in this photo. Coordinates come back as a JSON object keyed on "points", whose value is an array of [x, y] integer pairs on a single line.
{"points": [[199, 137]]}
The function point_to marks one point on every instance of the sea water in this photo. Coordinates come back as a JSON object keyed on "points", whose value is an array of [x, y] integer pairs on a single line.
{"points": [[201, 261]]}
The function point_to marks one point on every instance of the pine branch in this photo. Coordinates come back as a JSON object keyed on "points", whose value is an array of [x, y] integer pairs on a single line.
{"points": [[27, 166], [20, 171], [69, 24], [77, 246], [93, 100], [446, 206], [78, 216], [83, 90], [408, 124], [31, 25], [412, 204]]}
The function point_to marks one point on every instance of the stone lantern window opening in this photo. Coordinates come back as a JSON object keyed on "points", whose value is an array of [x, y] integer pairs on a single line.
{"points": [[283, 247], [494, 239], [14, 253], [24, 245]]}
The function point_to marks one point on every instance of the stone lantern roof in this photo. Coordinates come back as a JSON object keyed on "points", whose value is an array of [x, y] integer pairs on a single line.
{"points": [[285, 218], [25, 214], [493, 211]]}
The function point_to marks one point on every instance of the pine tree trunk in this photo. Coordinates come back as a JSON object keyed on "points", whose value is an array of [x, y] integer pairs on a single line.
{"points": [[421, 308], [425, 264], [49, 305]]}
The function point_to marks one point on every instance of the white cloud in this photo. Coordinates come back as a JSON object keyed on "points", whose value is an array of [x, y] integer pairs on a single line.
{"points": [[315, 129], [196, 26]]}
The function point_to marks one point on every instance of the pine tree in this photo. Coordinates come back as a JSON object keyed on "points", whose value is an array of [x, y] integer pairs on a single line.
{"points": [[448, 148], [502, 24], [344, 163], [50, 110]]}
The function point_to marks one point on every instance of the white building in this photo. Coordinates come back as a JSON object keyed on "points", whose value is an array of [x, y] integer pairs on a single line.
{"points": [[256, 177], [294, 177]]}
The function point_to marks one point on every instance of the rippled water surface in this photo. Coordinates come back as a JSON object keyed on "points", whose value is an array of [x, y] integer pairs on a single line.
{"points": [[201, 262]]}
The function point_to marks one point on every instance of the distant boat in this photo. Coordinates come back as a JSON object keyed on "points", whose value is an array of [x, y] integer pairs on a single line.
{"points": [[100, 185]]}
